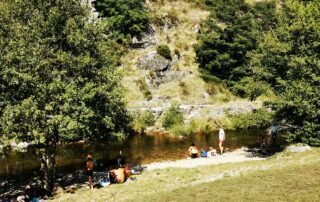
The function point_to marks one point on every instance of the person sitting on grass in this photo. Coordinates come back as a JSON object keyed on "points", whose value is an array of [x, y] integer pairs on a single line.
{"points": [[212, 152], [193, 151], [120, 175], [89, 169], [203, 152]]}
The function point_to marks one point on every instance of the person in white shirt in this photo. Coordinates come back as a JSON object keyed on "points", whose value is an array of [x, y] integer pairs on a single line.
{"points": [[222, 137]]}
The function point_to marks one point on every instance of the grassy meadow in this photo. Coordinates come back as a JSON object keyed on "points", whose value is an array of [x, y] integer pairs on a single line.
{"points": [[285, 176]]}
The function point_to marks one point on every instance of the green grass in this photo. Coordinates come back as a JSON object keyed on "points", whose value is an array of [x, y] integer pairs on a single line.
{"points": [[273, 185], [284, 177]]}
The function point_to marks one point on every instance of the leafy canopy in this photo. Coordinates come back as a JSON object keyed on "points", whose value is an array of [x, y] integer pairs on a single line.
{"points": [[288, 58], [58, 77]]}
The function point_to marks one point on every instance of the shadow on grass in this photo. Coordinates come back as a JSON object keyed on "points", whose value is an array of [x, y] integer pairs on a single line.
{"points": [[29, 184]]}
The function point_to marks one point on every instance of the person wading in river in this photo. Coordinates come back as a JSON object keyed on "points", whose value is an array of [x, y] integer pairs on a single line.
{"points": [[89, 170], [222, 137]]}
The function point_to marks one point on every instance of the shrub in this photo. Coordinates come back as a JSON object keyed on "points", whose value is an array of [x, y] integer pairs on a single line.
{"points": [[183, 129], [184, 88], [143, 87], [180, 130], [260, 118], [248, 87], [141, 120], [164, 51], [172, 117], [173, 17], [124, 16], [158, 20]]}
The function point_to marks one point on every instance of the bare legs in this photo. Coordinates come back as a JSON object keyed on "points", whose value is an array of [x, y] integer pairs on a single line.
{"points": [[90, 179], [221, 146]]}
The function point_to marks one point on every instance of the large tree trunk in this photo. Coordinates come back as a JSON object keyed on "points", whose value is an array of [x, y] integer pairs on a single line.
{"points": [[48, 165]]}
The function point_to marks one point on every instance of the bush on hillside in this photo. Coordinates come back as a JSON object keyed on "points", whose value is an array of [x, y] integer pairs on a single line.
{"points": [[143, 87], [141, 120], [124, 16], [172, 117], [164, 51], [260, 118]]}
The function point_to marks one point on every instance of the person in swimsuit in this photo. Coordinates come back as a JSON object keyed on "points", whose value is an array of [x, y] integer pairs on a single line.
{"points": [[89, 170]]}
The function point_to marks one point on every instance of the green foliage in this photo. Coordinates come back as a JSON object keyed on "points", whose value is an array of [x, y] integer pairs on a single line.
{"points": [[124, 16], [288, 59], [58, 77], [260, 118], [164, 51], [237, 44], [248, 87], [181, 130], [229, 34], [172, 117], [57, 71], [141, 120]]}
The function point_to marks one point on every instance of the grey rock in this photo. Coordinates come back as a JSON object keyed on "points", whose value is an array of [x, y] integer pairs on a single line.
{"points": [[157, 111], [154, 61], [197, 28], [145, 40], [240, 108], [167, 76]]}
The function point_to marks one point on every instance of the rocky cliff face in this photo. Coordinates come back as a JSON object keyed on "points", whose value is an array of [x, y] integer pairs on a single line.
{"points": [[175, 24]]}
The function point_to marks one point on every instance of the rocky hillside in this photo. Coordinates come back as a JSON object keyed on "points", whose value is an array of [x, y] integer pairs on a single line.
{"points": [[153, 81]]}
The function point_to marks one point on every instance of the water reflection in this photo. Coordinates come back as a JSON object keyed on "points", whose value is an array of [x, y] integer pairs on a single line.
{"points": [[143, 149]]}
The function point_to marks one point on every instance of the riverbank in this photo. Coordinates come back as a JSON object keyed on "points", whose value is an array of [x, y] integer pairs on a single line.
{"points": [[239, 155], [269, 179]]}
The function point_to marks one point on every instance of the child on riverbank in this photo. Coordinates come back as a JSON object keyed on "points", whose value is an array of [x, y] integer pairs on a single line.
{"points": [[203, 152], [89, 170], [212, 152]]}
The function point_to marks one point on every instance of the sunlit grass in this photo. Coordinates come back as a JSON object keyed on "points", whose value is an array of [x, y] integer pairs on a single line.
{"points": [[283, 177]]}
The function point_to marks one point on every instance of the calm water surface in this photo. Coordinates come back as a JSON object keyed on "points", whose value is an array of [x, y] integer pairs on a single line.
{"points": [[143, 149]]}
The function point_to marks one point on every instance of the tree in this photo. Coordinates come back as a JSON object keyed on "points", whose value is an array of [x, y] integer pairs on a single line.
{"points": [[288, 59], [127, 17], [231, 31], [58, 78]]}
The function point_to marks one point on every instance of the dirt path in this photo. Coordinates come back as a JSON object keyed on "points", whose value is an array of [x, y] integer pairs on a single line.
{"points": [[239, 155]]}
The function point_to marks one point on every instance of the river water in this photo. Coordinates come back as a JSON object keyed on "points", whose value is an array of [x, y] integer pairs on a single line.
{"points": [[137, 149]]}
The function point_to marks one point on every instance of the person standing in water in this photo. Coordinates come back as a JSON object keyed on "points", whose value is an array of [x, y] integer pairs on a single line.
{"points": [[274, 133], [222, 137]]}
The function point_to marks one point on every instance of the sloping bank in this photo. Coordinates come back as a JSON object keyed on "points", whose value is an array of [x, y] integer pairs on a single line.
{"points": [[286, 176]]}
